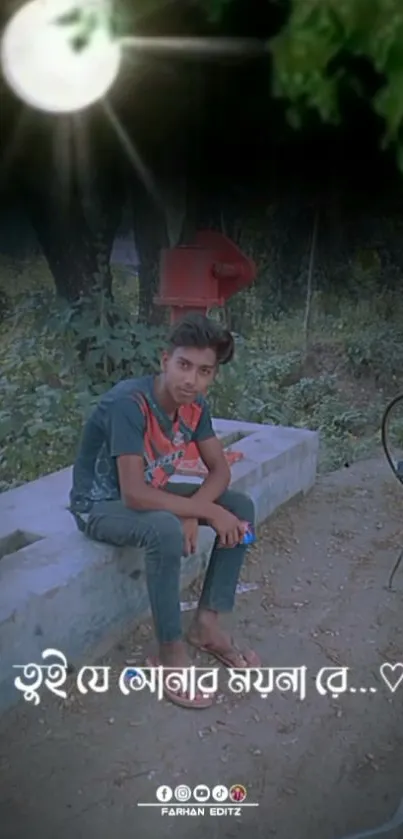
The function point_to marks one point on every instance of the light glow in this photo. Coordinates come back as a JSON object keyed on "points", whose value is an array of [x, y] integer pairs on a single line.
{"points": [[43, 66]]}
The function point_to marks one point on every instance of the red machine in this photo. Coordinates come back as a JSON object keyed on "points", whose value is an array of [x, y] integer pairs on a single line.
{"points": [[205, 274]]}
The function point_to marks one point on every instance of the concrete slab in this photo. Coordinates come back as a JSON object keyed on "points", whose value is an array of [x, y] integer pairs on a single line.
{"points": [[59, 590]]}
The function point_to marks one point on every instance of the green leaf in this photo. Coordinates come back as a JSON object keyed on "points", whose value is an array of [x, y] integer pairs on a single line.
{"points": [[399, 156], [6, 428], [389, 104]]}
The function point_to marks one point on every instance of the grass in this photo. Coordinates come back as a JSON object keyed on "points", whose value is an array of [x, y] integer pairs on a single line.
{"points": [[340, 387]]}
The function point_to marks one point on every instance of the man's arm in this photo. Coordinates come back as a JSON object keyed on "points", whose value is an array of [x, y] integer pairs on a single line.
{"points": [[138, 495], [219, 473], [212, 455]]}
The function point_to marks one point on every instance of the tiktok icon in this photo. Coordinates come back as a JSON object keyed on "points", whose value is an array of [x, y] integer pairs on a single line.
{"points": [[219, 793]]}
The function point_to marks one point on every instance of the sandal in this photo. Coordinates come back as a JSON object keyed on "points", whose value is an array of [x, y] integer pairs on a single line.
{"points": [[176, 698], [234, 652]]}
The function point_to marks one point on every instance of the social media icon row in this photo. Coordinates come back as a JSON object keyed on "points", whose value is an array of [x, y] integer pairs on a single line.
{"points": [[201, 793]]}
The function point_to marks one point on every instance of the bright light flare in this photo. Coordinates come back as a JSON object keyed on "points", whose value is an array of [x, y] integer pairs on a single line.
{"points": [[58, 56], [43, 65], [214, 47]]}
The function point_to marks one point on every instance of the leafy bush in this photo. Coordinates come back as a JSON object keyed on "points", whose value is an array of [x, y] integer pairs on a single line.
{"points": [[46, 392], [377, 351], [304, 396], [51, 380]]}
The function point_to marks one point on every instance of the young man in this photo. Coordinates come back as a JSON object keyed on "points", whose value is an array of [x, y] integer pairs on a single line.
{"points": [[131, 445]]}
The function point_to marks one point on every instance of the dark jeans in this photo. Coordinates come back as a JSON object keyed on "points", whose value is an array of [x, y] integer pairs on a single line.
{"points": [[161, 534]]}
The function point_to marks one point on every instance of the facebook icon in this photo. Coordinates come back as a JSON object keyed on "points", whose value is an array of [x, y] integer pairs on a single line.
{"points": [[164, 794]]}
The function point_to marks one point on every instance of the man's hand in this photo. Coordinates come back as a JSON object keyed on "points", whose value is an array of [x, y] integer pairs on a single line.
{"points": [[190, 532], [228, 527]]}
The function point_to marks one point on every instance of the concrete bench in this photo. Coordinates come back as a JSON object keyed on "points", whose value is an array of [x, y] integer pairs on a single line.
{"points": [[60, 590]]}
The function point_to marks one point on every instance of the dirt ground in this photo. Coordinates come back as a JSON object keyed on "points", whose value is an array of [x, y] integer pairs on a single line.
{"points": [[319, 768]]}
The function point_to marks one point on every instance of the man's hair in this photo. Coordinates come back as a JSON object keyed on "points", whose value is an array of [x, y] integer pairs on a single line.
{"points": [[196, 330]]}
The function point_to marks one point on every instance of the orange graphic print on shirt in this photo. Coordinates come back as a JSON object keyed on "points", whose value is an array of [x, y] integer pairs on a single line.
{"points": [[163, 452]]}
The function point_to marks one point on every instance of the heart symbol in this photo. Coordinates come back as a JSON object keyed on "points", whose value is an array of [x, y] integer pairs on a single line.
{"points": [[391, 668]]}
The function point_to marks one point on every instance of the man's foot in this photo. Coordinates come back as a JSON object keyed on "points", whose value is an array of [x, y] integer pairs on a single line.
{"points": [[207, 636], [172, 656]]}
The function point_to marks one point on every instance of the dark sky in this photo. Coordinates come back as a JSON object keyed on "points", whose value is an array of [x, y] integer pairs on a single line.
{"points": [[217, 122]]}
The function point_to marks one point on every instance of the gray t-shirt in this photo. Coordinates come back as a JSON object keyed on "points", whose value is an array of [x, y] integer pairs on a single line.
{"points": [[128, 420]]}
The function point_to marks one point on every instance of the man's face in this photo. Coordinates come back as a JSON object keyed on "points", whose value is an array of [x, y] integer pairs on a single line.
{"points": [[188, 372]]}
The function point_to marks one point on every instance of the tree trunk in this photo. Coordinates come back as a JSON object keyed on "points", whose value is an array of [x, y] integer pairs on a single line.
{"points": [[100, 168], [66, 241], [76, 244], [151, 236]]}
